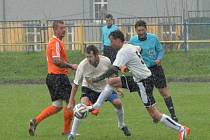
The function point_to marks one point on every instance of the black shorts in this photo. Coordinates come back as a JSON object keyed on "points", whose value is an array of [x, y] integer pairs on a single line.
{"points": [[144, 89], [93, 95], [129, 83], [158, 76], [59, 86], [110, 52]]}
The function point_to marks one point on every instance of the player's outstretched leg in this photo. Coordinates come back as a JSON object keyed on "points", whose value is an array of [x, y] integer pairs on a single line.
{"points": [[50, 110], [167, 121], [103, 96]]}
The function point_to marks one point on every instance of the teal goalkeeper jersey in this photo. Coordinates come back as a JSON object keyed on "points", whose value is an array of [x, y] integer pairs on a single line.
{"points": [[152, 49], [105, 34]]}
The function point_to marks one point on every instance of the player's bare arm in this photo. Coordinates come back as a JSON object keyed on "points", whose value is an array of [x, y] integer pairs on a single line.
{"points": [[72, 96], [112, 70], [58, 62]]}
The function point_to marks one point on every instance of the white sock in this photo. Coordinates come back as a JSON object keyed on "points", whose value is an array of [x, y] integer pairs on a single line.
{"points": [[103, 96], [167, 121], [120, 117], [75, 125]]}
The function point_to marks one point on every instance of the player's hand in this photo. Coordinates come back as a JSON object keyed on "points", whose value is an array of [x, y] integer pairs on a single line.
{"points": [[74, 66], [120, 92], [157, 62], [124, 69]]}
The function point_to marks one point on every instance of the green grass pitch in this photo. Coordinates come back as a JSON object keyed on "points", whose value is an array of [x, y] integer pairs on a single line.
{"points": [[20, 103]]}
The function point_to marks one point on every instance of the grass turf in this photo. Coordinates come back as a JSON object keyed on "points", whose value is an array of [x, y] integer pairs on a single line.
{"points": [[32, 66], [20, 103]]}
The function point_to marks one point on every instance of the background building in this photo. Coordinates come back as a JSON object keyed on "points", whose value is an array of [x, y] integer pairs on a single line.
{"points": [[53, 9]]}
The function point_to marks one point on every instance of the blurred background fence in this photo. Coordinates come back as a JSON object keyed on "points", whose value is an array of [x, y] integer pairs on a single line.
{"points": [[175, 32]]}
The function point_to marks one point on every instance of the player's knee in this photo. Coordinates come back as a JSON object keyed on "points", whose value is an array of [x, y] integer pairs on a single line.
{"points": [[117, 103], [114, 82], [58, 104], [164, 92], [86, 101]]}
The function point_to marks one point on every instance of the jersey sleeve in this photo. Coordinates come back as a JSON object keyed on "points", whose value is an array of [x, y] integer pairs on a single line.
{"points": [[56, 49], [159, 49], [121, 59], [108, 62], [79, 75]]}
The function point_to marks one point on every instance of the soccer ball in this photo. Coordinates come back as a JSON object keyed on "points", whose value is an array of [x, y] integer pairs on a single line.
{"points": [[80, 111]]}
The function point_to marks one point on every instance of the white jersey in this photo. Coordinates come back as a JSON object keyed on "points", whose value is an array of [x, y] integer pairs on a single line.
{"points": [[87, 70], [129, 56]]}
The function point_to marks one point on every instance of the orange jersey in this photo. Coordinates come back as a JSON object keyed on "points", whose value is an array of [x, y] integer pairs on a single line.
{"points": [[56, 48]]}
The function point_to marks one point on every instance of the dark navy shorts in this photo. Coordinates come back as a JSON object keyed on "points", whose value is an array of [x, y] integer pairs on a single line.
{"points": [[158, 76], [93, 95], [59, 86], [143, 87]]}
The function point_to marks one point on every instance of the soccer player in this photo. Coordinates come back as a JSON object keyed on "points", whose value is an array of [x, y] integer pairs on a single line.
{"points": [[152, 54], [57, 80], [92, 66], [108, 50], [128, 57]]}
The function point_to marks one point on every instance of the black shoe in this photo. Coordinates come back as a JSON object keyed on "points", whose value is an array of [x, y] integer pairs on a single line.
{"points": [[32, 127], [174, 118], [126, 131]]}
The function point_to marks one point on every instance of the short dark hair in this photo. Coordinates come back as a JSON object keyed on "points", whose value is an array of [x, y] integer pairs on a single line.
{"points": [[92, 48], [109, 16], [141, 23], [117, 34], [56, 22]]}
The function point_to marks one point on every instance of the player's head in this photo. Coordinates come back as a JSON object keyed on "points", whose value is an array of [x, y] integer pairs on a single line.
{"points": [[117, 39], [141, 28], [59, 28], [92, 55], [109, 20]]}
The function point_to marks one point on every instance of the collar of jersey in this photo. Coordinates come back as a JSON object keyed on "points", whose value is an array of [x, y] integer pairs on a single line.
{"points": [[57, 38]]}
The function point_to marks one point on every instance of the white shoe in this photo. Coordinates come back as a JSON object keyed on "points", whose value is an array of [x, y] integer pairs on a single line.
{"points": [[89, 108]]}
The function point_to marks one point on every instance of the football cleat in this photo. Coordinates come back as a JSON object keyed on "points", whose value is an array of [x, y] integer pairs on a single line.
{"points": [[95, 112], [126, 131], [32, 127], [70, 137], [184, 133], [89, 108]]}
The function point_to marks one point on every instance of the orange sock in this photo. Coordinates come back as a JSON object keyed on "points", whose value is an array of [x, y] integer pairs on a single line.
{"points": [[68, 117], [50, 110]]}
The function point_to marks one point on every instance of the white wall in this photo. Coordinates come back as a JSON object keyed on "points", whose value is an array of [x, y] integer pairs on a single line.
{"points": [[48, 9]]}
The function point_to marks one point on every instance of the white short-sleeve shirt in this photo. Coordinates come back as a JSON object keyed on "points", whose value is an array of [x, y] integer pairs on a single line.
{"points": [[129, 56], [87, 70]]}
